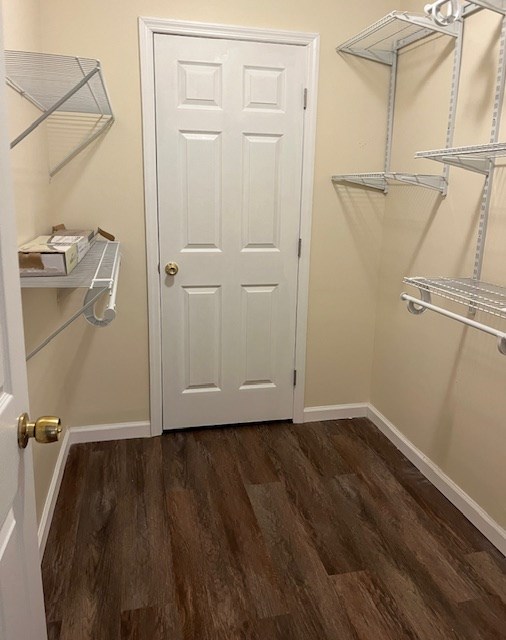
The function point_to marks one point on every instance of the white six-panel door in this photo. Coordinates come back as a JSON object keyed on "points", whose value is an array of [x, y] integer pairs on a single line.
{"points": [[229, 120]]}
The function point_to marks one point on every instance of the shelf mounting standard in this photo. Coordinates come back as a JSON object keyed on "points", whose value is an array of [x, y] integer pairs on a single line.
{"points": [[381, 43]]}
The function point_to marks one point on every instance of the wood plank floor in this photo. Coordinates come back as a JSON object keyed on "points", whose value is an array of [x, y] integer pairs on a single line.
{"points": [[308, 532]]}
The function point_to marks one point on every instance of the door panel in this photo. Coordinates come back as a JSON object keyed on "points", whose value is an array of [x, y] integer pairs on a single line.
{"points": [[261, 191], [259, 312], [21, 601], [202, 331], [201, 183], [229, 120]]}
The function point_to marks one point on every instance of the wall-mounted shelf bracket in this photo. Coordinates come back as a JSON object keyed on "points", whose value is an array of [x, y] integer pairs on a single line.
{"points": [[70, 92], [98, 272], [381, 41]]}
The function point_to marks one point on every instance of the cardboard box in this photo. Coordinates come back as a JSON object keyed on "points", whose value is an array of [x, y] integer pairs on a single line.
{"points": [[79, 238], [38, 258], [59, 231]]}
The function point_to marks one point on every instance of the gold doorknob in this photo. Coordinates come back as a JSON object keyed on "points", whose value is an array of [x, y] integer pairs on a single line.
{"points": [[171, 268], [45, 429]]}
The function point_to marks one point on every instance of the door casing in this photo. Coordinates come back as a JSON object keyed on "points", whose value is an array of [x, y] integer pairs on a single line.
{"points": [[148, 27]]}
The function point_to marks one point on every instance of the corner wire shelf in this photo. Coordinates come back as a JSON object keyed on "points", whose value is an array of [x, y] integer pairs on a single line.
{"points": [[475, 294], [494, 5], [381, 43], [477, 158], [68, 90], [381, 180], [98, 272]]}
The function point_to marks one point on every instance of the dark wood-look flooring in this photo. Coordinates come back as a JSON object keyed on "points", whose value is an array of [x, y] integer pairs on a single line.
{"points": [[267, 532]]}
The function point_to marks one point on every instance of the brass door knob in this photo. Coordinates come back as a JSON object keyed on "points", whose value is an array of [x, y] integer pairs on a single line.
{"points": [[171, 268], [45, 429]]}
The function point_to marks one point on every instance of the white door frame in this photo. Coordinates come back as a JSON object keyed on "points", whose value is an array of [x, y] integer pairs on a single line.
{"points": [[148, 27]]}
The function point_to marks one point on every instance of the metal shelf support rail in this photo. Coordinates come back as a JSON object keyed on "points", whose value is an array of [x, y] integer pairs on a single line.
{"points": [[98, 272], [64, 84], [494, 137], [381, 42], [480, 158], [417, 306]]}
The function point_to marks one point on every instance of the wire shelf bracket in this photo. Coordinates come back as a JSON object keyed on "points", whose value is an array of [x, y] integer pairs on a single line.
{"points": [[381, 180], [69, 89], [476, 295], [371, 180], [98, 272], [477, 158]]}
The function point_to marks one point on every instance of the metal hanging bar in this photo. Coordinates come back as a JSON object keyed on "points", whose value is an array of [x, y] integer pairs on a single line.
{"points": [[50, 338], [417, 306]]}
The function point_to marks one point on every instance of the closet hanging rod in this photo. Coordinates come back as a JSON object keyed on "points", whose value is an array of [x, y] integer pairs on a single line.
{"points": [[109, 313], [417, 306]]}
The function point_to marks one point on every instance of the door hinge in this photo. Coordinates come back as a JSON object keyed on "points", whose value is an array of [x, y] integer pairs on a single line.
{"points": [[299, 248], [295, 377], [158, 268], [305, 99]]}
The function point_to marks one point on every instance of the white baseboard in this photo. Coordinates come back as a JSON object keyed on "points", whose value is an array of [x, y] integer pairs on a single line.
{"points": [[52, 494], [105, 432], [80, 435], [336, 412], [464, 503]]}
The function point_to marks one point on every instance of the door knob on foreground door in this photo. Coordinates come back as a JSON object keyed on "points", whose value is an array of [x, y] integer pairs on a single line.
{"points": [[171, 268], [45, 430]]}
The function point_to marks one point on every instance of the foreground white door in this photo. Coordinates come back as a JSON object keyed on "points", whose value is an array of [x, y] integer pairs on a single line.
{"points": [[21, 600], [229, 121]]}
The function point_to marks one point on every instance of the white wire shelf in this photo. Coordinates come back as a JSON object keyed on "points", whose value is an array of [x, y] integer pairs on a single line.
{"points": [[477, 158], [96, 269], [70, 91], [476, 294], [98, 272], [493, 5], [381, 41], [371, 180], [381, 180]]}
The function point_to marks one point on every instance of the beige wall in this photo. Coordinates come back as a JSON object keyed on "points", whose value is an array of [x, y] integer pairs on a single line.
{"points": [[91, 376], [439, 383], [22, 30], [111, 182]]}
